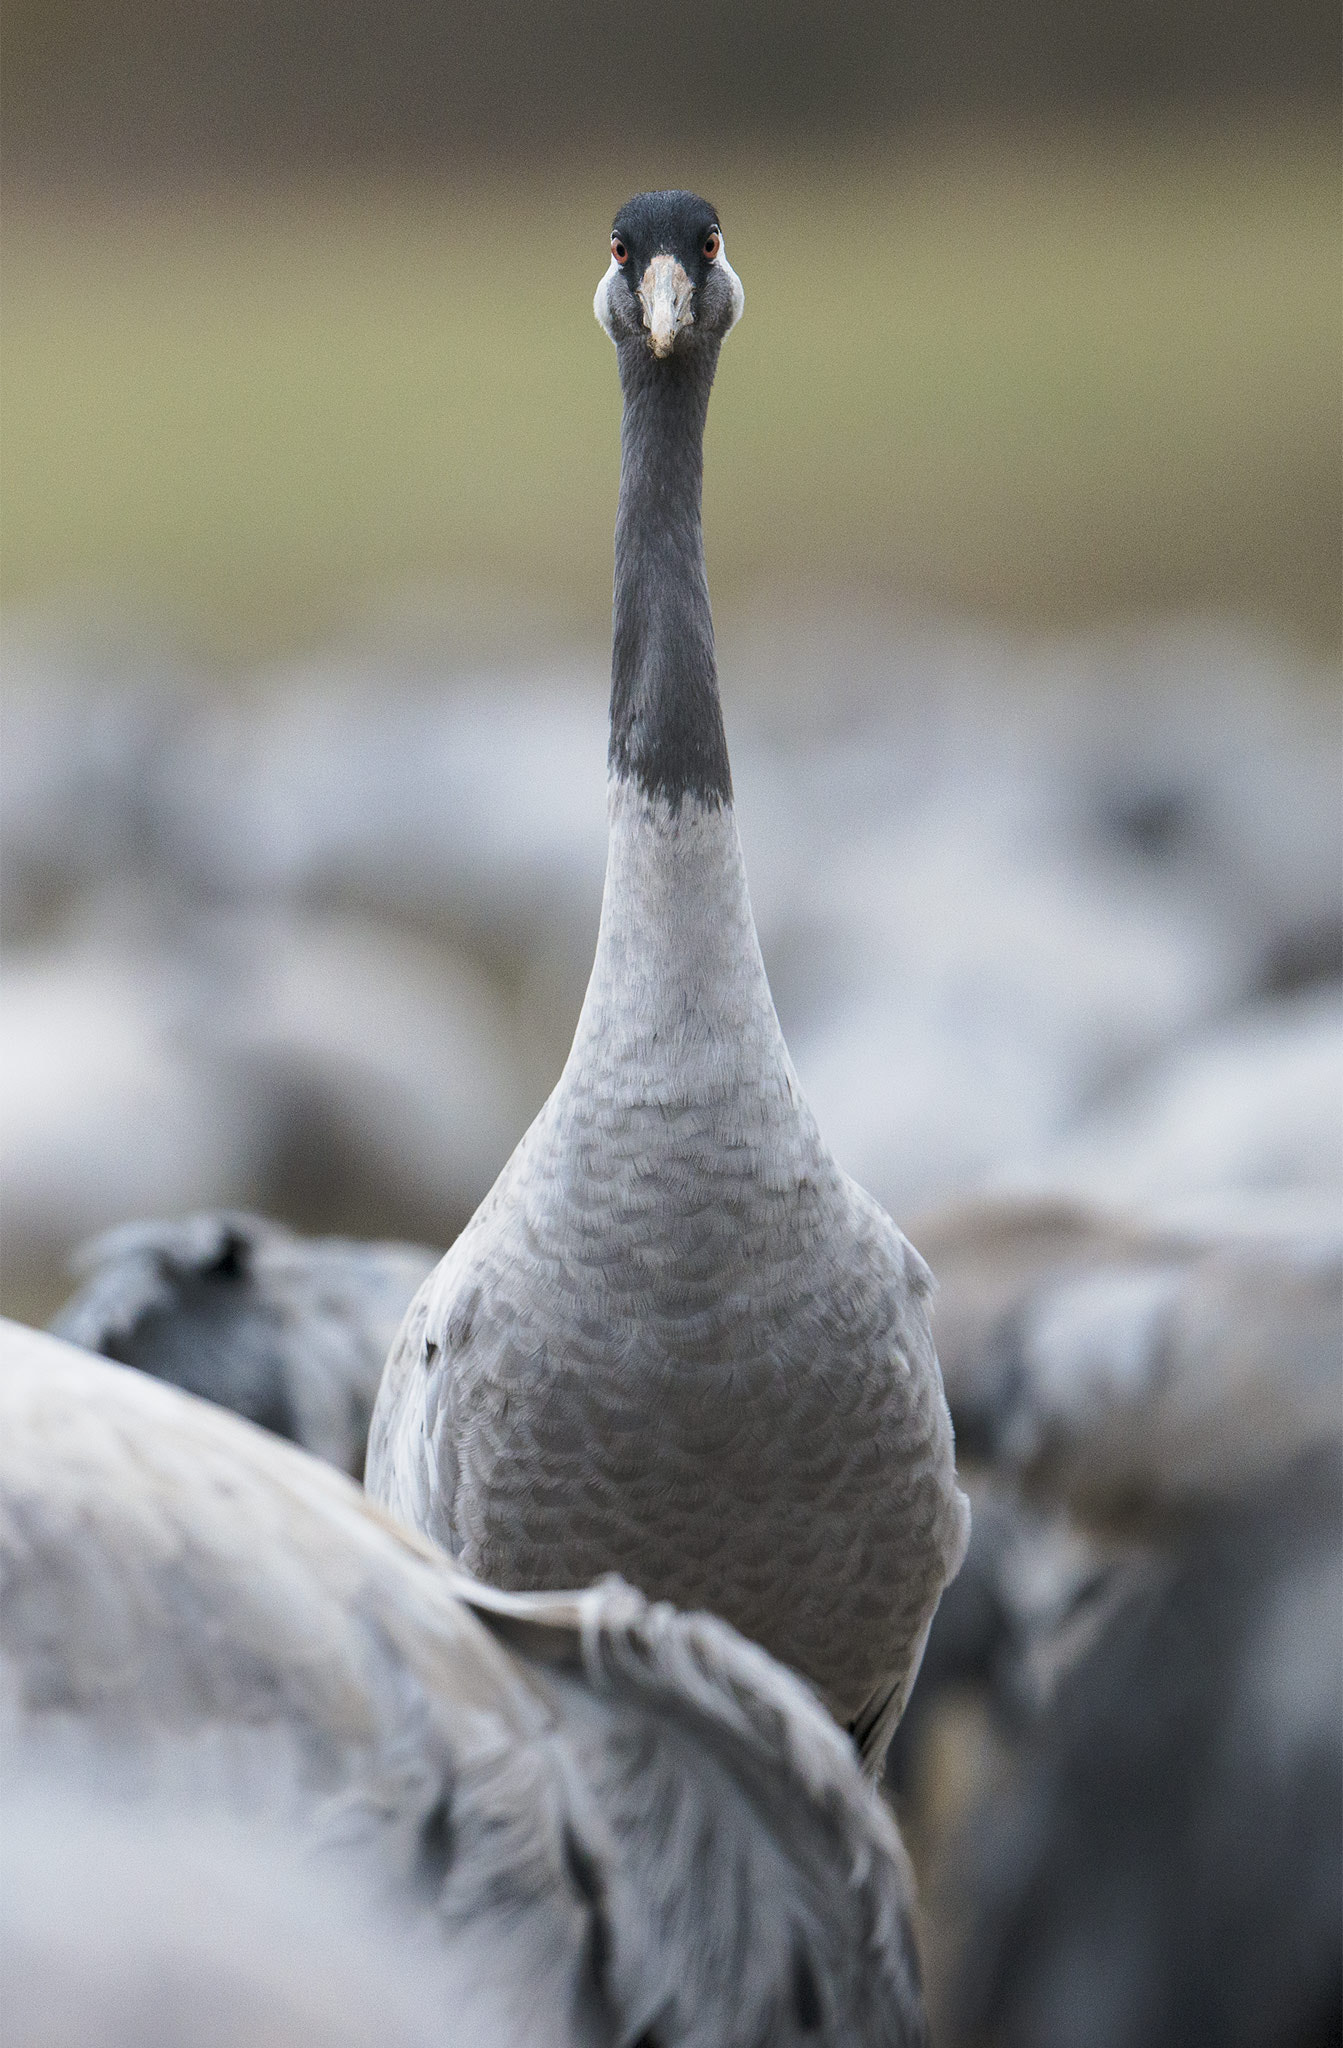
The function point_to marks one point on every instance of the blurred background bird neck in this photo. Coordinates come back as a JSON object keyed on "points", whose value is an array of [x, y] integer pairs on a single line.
{"points": [[666, 723]]}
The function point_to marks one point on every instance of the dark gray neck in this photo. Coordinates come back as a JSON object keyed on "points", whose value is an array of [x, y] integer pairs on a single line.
{"points": [[666, 722]]}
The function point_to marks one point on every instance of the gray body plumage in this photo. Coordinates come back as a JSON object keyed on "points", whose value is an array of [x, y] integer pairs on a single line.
{"points": [[632, 1819], [676, 1340], [290, 1332]]}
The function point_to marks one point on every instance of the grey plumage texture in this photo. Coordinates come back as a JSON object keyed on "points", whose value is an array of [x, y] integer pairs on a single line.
{"points": [[676, 1340], [290, 1332], [637, 1823]]}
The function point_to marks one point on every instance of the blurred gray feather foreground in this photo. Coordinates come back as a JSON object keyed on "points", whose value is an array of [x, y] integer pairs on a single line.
{"points": [[634, 1821], [151, 1924]]}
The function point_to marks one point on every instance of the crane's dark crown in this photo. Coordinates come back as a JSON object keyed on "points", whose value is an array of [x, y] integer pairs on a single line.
{"points": [[666, 224]]}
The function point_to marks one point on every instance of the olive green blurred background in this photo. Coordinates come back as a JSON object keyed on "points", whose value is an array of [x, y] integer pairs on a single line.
{"points": [[1042, 309]]}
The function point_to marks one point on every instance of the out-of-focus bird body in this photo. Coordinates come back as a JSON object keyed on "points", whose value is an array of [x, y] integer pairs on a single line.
{"points": [[1163, 1859], [1154, 1853], [290, 1332], [633, 1819], [676, 1340], [1138, 1370]]}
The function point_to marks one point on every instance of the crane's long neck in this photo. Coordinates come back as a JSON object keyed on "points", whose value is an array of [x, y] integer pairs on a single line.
{"points": [[666, 723], [678, 963]]}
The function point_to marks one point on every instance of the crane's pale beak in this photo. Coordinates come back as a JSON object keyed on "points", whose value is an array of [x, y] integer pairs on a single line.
{"points": [[665, 293]]}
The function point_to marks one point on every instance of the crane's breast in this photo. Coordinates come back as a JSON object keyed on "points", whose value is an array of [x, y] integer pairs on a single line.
{"points": [[715, 1380]]}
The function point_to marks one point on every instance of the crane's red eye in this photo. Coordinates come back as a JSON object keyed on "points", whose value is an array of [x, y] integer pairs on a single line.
{"points": [[618, 250], [713, 242]]}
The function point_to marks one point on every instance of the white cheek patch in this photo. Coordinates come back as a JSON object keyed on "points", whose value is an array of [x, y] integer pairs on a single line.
{"points": [[738, 295], [600, 304]]}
